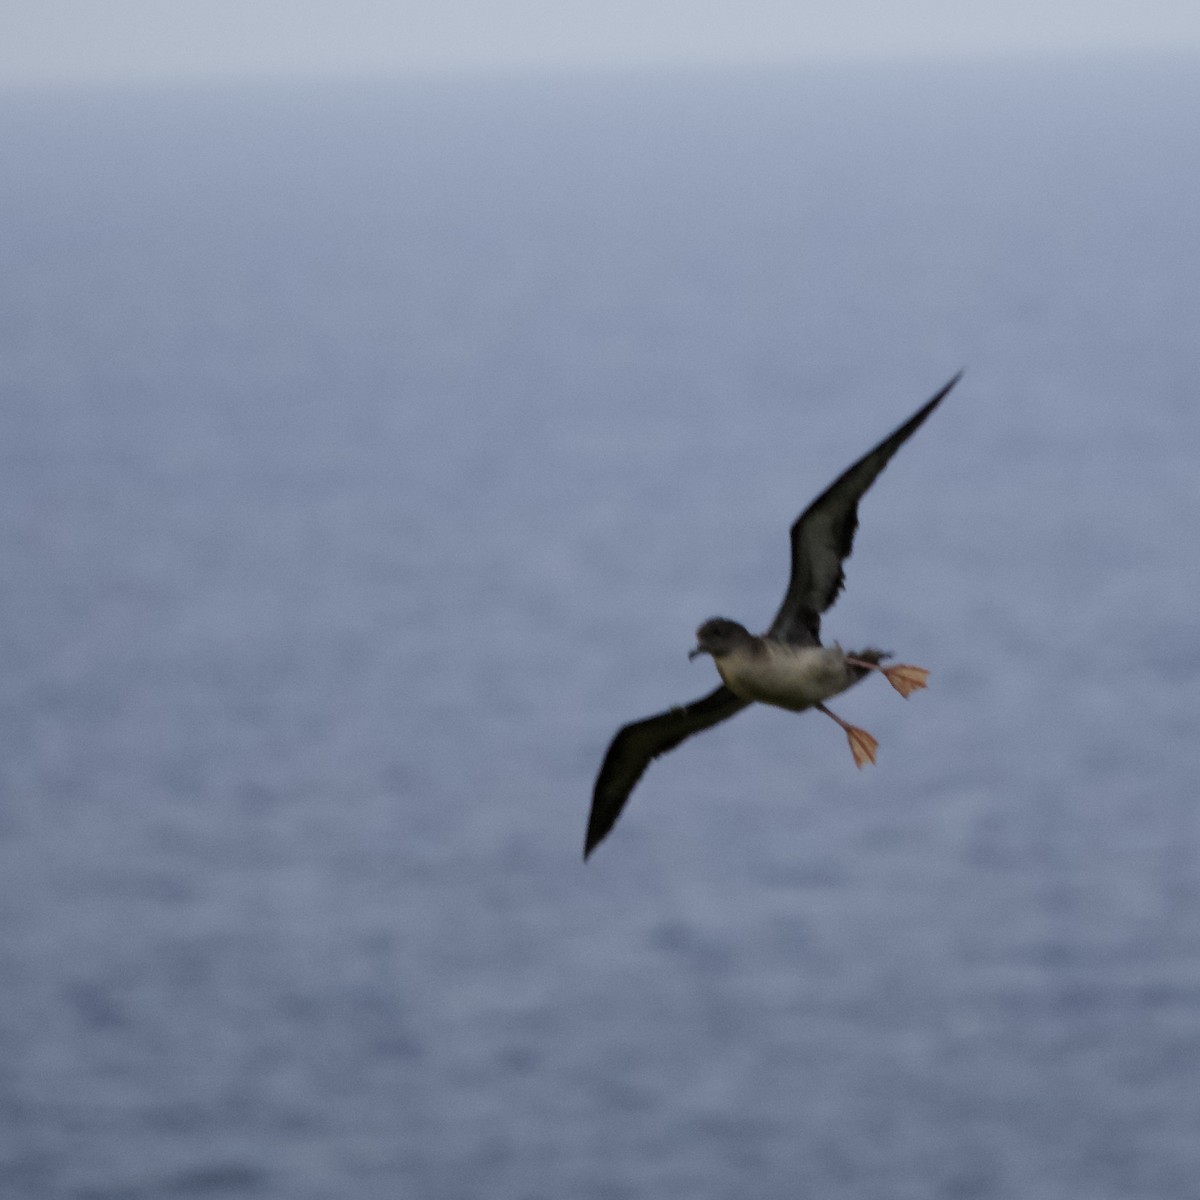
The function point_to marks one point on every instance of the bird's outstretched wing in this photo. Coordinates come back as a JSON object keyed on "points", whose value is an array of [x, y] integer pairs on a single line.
{"points": [[823, 535], [638, 744]]}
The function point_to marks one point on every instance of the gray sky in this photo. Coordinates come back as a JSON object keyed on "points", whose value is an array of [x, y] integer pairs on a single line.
{"points": [[84, 40]]}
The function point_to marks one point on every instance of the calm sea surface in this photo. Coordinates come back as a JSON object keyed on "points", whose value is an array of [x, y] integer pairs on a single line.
{"points": [[367, 456]]}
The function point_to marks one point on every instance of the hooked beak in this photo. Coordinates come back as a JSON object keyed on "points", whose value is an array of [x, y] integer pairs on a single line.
{"points": [[692, 653]]}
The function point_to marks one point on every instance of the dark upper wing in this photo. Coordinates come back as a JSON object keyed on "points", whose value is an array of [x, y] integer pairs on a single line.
{"points": [[823, 535], [638, 744]]}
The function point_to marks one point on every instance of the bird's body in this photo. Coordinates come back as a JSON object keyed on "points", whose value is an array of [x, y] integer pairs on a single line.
{"points": [[781, 673], [791, 677], [786, 666]]}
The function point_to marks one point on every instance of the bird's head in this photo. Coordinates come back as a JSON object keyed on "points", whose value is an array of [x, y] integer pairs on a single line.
{"points": [[719, 636]]}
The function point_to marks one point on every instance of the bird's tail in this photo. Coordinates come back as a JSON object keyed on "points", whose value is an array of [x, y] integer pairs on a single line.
{"points": [[869, 656]]}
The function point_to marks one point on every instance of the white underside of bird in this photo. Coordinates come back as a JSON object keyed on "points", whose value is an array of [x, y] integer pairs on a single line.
{"points": [[791, 677]]}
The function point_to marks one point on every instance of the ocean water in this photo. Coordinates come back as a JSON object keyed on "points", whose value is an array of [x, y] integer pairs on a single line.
{"points": [[369, 454]]}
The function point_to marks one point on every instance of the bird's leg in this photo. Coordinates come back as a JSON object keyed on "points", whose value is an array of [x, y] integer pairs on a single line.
{"points": [[862, 744], [904, 677]]}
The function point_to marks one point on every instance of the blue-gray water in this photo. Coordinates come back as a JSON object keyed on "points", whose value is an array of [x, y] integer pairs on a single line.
{"points": [[369, 455]]}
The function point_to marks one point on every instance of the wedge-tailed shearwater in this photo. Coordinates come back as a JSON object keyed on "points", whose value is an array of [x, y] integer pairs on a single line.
{"points": [[787, 666]]}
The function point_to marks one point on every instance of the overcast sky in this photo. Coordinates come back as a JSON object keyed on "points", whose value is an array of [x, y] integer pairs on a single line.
{"points": [[83, 40]]}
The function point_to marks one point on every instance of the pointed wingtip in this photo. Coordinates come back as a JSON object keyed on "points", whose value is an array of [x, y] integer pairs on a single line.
{"points": [[593, 839], [946, 388]]}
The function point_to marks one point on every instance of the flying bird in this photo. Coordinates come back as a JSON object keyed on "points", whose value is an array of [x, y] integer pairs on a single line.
{"points": [[787, 666]]}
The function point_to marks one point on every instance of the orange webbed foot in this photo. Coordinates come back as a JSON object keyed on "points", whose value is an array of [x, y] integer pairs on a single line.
{"points": [[906, 679], [862, 745]]}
